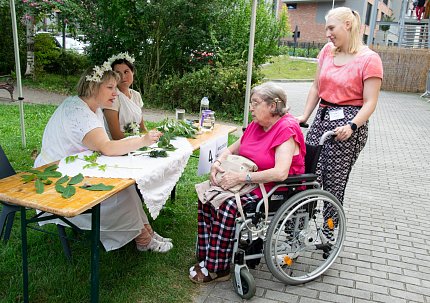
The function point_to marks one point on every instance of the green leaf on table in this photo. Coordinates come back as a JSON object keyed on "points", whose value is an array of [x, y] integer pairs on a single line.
{"points": [[93, 157], [144, 148], [76, 179], [90, 165], [34, 171], [102, 167], [97, 187], [49, 174], [51, 168], [47, 182], [62, 180], [28, 178], [40, 187], [68, 191], [70, 159], [59, 188]]}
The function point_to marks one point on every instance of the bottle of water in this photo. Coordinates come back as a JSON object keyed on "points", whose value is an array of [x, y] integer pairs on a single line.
{"points": [[204, 105]]}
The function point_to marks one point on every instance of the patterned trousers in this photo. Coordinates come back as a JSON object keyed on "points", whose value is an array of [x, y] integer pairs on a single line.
{"points": [[337, 157], [216, 229]]}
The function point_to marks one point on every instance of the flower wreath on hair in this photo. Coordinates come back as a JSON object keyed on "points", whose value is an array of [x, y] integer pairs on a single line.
{"points": [[123, 56], [98, 72]]}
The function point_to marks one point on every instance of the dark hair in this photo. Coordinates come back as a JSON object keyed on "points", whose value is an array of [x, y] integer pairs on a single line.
{"points": [[123, 61]]}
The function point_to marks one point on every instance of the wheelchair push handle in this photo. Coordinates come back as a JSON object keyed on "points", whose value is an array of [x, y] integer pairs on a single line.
{"points": [[324, 137], [328, 134]]}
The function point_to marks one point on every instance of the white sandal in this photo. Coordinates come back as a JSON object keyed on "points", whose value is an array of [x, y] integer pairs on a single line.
{"points": [[155, 246], [156, 236]]}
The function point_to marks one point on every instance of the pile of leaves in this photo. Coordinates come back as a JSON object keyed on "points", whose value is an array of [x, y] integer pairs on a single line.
{"points": [[64, 185], [177, 128]]}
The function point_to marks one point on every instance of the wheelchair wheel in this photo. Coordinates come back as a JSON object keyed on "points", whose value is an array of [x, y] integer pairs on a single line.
{"points": [[248, 284], [305, 236]]}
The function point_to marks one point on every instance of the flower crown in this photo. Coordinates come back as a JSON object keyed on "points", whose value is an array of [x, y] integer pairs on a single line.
{"points": [[123, 56], [98, 72]]}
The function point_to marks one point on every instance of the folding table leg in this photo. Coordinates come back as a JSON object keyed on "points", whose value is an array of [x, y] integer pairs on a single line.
{"points": [[24, 253], [95, 253]]}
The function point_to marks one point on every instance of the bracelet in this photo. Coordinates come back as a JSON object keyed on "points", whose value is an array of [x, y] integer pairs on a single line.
{"points": [[217, 161]]}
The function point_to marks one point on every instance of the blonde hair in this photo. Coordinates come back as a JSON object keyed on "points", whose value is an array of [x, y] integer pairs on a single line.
{"points": [[270, 93], [344, 14], [87, 88]]}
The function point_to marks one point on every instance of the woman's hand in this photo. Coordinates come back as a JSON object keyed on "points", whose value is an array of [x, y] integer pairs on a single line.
{"points": [[301, 119], [216, 167], [230, 179], [151, 137], [343, 133]]}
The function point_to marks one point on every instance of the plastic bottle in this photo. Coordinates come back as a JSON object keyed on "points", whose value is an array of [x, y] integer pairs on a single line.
{"points": [[204, 105]]}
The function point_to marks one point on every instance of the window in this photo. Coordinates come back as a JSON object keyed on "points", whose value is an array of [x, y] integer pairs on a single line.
{"points": [[368, 13], [292, 6]]}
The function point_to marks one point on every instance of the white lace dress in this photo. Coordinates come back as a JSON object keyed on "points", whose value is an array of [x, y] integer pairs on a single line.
{"points": [[121, 216]]}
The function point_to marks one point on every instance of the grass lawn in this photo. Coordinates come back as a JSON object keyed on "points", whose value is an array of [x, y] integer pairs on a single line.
{"points": [[283, 67], [126, 275]]}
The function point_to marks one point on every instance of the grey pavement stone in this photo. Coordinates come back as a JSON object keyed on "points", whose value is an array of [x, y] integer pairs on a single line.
{"points": [[386, 203]]}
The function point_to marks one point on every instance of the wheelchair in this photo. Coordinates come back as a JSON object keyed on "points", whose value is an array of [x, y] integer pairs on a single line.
{"points": [[302, 237]]}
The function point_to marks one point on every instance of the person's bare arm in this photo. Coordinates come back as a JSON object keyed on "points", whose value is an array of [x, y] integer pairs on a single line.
{"points": [[143, 128], [312, 99], [112, 119], [283, 158], [97, 140], [372, 87]]}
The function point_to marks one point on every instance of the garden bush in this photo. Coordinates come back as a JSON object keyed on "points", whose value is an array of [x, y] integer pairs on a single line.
{"points": [[49, 58], [46, 53], [224, 86]]}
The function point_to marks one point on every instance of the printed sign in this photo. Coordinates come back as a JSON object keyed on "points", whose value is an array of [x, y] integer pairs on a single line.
{"points": [[209, 152]]}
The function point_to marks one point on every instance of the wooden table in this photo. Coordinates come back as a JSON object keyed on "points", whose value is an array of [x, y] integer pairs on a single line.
{"points": [[14, 191], [219, 130]]}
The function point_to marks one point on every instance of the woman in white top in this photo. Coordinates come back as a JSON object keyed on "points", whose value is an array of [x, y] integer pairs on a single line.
{"points": [[124, 116], [77, 125]]}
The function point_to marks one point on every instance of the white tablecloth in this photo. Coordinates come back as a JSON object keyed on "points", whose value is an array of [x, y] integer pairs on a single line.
{"points": [[155, 177]]}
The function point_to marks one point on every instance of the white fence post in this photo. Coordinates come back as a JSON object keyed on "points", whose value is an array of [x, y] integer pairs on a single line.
{"points": [[427, 93]]}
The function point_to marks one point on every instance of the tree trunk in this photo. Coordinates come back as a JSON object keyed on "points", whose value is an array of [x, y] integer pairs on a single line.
{"points": [[30, 31]]}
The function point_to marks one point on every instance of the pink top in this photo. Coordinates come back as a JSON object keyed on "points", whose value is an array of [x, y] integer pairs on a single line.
{"points": [[260, 146], [344, 84]]}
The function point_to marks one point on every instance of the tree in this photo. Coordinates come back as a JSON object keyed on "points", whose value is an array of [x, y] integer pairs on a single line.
{"points": [[33, 11]]}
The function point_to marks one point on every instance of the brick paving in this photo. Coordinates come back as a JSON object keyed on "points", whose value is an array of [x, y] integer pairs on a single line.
{"points": [[386, 256]]}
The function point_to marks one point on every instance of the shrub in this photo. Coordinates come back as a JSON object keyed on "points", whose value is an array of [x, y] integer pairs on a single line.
{"points": [[72, 63], [46, 53], [224, 86]]}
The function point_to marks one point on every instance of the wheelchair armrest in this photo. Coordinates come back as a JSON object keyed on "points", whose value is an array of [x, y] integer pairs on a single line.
{"points": [[294, 179]]}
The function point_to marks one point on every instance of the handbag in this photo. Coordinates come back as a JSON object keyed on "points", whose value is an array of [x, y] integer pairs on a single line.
{"points": [[238, 164]]}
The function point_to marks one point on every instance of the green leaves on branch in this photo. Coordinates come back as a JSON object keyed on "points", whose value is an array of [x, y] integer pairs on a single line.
{"points": [[66, 191], [177, 128], [91, 159]]}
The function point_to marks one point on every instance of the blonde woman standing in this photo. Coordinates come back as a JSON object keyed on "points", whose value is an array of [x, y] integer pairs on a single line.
{"points": [[345, 91]]}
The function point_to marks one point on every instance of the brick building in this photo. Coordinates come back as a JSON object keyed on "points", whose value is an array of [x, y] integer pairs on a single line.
{"points": [[309, 16]]}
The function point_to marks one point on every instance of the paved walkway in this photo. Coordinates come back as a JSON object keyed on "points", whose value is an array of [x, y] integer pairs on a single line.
{"points": [[386, 257]]}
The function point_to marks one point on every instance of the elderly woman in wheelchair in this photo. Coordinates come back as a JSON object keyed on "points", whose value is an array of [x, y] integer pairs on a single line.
{"points": [[286, 220]]}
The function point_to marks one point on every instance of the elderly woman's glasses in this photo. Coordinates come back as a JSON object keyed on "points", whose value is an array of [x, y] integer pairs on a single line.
{"points": [[254, 103]]}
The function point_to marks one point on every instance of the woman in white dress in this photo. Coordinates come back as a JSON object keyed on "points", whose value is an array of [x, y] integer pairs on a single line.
{"points": [[77, 125], [124, 116]]}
